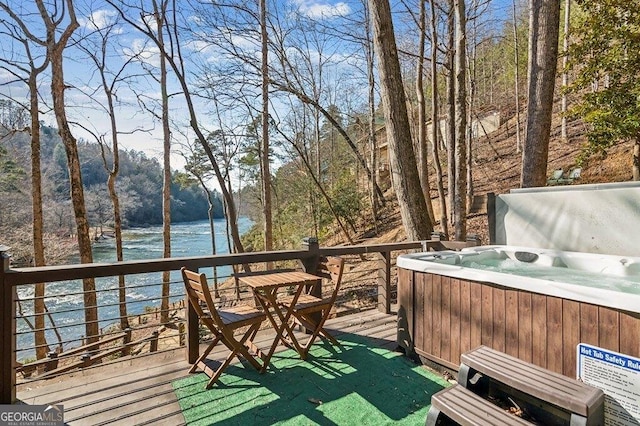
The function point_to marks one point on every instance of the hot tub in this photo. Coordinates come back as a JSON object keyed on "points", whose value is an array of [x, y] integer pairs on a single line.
{"points": [[535, 304]]}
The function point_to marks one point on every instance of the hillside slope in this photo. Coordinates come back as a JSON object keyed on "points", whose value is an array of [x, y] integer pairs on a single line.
{"points": [[496, 168]]}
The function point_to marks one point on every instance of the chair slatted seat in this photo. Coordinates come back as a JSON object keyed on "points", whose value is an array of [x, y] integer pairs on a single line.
{"points": [[312, 312], [223, 324]]}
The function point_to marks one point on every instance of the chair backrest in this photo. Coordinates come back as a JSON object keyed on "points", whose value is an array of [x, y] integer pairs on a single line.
{"points": [[331, 268], [199, 296]]}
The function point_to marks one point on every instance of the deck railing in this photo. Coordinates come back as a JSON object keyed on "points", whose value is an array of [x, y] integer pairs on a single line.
{"points": [[376, 285]]}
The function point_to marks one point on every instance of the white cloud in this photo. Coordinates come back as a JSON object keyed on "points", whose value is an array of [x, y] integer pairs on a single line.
{"points": [[322, 10], [99, 19], [145, 52]]}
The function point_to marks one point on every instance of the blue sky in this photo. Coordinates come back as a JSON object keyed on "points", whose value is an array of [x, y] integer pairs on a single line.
{"points": [[139, 130]]}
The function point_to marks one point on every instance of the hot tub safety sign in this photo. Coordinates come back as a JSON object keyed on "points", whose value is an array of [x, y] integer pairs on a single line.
{"points": [[618, 375]]}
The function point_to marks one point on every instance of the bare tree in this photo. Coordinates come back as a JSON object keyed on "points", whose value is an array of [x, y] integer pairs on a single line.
{"points": [[422, 142], [287, 74], [53, 19], [359, 31], [371, 114], [435, 121], [451, 109], [96, 47], [404, 169], [160, 17], [516, 57], [544, 26], [28, 72], [173, 54], [265, 157], [460, 186]]}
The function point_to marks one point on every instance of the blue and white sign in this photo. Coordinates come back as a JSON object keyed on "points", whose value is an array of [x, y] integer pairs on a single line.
{"points": [[618, 376]]}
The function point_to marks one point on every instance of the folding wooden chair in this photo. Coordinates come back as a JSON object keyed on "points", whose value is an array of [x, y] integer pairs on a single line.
{"points": [[310, 311], [222, 322]]}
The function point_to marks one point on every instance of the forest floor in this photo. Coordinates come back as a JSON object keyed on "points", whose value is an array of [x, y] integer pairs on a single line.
{"points": [[497, 169]]}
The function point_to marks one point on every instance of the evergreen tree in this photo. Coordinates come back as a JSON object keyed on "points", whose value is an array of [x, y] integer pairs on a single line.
{"points": [[607, 58]]}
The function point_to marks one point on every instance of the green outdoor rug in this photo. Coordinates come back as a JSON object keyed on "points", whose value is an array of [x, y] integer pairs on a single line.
{"points": [[356, 384]]}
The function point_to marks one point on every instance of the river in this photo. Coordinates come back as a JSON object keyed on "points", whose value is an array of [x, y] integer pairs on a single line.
{"points": [[64, 299]]}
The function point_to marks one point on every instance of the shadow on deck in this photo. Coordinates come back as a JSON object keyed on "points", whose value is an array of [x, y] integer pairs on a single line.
{"points": [[139, 391]]}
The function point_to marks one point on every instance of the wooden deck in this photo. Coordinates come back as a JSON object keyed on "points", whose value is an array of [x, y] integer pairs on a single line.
{"points": [[140, 391]]}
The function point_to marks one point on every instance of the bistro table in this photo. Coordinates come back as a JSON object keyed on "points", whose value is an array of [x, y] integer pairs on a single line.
{"points": [[265, 286]]}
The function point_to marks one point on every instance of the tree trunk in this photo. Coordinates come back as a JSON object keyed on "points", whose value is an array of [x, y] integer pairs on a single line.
{"points": [[451, 112], [117, 217], [435, 124], [160, 16], [371, 125], [565, 63], [42, 347], [459, 199], [404, 170], [55, 51], [31, 80], [636, 160], [516, 77], [471, 71], [544, 23], [212, 229], [264, 158], [423, 155]]}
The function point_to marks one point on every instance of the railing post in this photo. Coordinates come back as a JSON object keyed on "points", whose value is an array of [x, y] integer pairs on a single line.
{"points": [[153, 344], [53, 363], [7, 334], [310, 265], [86, 359], [384, 282], [126, 342]]}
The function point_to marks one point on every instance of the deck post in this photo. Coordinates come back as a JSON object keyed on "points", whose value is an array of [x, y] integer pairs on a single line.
{"points": [[7, 335], [384, 282], [310, 265]]}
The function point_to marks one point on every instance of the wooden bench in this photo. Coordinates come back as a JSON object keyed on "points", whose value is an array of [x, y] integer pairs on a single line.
{"points": [[485, 371], [458, 405]]}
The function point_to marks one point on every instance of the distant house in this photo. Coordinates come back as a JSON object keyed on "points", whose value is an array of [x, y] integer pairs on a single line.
{"points": [[488, 123]]}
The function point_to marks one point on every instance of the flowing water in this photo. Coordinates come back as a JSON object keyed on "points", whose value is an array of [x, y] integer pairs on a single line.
{"points": [[64, 299]]}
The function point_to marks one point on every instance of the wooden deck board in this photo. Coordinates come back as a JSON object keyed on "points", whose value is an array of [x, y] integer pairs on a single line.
{"points": [[140, 392]]}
